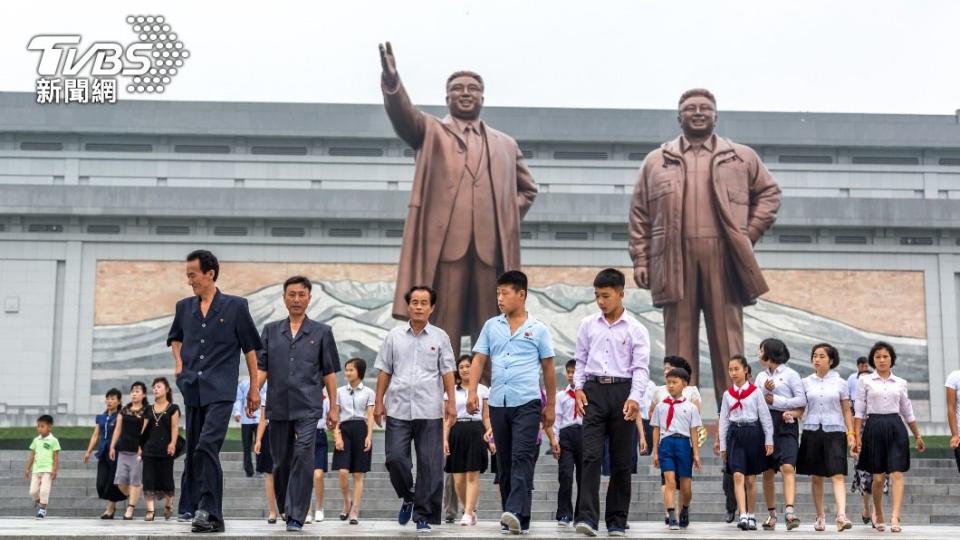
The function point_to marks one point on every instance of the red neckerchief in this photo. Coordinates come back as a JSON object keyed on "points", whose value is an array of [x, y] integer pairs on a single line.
{"points": [[573, 394], [670, 401], [741, 395]]}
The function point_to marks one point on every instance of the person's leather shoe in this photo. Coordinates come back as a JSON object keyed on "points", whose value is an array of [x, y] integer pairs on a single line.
{"points": [[203, 524], [729, 517]]}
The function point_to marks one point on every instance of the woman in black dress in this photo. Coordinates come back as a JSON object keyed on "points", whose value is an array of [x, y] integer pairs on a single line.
{"points": [[159, 447]]}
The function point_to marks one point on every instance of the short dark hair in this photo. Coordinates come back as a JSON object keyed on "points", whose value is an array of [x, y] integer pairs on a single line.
{"points": [[298, 280], [115, 392], [679, 373], [830, 351], [774, 350], [464, 73], [143, 387], [409, 294], [742, 359], [456, 373], [609, 277], [862, 360], [513, 278], [882, 345], [571, 364], [45, 419], [697, 92], [208, 261], [678, 362], [360, 365]]}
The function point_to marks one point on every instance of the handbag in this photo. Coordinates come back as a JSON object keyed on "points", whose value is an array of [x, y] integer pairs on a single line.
{"points": [[181, 446]]}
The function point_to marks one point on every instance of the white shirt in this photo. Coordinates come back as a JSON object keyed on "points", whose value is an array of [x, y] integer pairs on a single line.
{"points": [[753, 408], [824, 402], [416, 364], [953, 381], [647, 400], [483, 394], [685, 417], [876, 395], [566, 408], [788, 388], [322, 423], [354, 402], [852, 384]]}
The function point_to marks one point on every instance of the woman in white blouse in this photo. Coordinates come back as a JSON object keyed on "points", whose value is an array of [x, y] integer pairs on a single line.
{"points": [[464, 443], [827, 433], [881, 408]]}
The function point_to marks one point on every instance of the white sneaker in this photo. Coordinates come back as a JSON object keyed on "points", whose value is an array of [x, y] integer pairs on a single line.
{"points": [[468, 520], [309, 519], [318, 516]]}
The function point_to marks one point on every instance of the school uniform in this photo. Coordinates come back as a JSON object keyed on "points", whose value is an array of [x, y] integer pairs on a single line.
{"points": [[745, 428], [320, 442], [468, 450], [296, 365], [787, 395], [953, 381], [645, 415], [884, 404], [823, 447], [677, 419], [568, 429], [248, 425], [211, 351], [515, 404], [354, 404], [690, 393], [612, 367]]}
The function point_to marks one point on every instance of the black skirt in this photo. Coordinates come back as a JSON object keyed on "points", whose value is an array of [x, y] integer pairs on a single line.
{"points": [[352, 458], [884, 447], [106, 489], [786, 442], [822, 453], [264, 458], [468, 451], [158, 476], [745, 449]]}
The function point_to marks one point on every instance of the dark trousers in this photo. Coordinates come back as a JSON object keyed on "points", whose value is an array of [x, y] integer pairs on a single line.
{"points": [[202, 481], [248, 432], [427, 437], [570, 467], [515, 430], [184, 505], [291, 447], [604, 419]]}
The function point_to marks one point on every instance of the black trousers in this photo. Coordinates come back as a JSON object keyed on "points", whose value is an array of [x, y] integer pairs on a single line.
{"points": [[202, 480], [427, 438], [291, 447], [604, 419], [248, 432], [570, 467], [515, 432]]}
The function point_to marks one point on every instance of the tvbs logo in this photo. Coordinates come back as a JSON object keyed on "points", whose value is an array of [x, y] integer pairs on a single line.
{"points": [[74, 73]]}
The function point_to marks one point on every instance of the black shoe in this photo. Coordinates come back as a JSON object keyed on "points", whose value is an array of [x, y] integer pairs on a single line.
{"points": [[729, 517], [684, 517], [213, 526]]}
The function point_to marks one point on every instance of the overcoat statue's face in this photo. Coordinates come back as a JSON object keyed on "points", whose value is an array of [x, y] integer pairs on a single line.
{"points": [[698, 117]]}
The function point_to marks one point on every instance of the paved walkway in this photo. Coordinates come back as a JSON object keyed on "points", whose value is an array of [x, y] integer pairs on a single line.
{"points": [[53, 528]]}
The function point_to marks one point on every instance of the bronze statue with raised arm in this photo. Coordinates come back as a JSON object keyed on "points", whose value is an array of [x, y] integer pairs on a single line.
{"points": [[471, 188]]}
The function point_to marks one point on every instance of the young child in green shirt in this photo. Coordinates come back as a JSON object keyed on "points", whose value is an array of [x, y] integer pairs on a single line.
{"points": [[43, 464]]}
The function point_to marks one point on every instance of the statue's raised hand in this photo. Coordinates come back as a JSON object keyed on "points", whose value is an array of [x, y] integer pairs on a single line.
{"points": [[389, 65]]}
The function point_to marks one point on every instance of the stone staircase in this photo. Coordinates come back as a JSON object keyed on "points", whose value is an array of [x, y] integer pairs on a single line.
{"points": [[932, 492]]}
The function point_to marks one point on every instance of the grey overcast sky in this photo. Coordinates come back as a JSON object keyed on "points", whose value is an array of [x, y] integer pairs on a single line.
{"points": [[810, 55]]}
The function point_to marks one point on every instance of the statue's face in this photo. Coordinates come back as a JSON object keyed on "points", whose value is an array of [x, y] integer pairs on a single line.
{"points": [[697, 117], [465, 98]]}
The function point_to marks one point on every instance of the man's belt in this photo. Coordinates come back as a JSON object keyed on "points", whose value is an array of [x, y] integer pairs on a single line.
{"points": [[603, 379]]}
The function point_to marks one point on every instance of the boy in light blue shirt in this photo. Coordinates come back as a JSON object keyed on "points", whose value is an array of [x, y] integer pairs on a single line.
{"points": [[520, 349]]}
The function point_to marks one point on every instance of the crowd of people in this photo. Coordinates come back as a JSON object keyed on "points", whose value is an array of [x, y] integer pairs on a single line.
{"points": [[460, 423]]}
